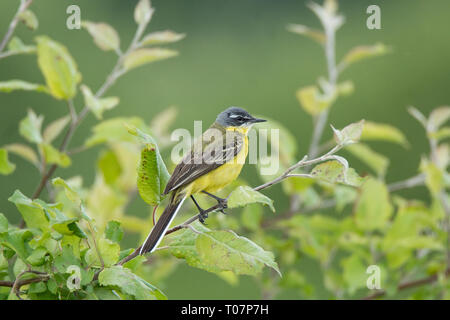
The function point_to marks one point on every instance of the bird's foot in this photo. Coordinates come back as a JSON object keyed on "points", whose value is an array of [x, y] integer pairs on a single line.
{"points": [[203, 215], [223, 204]]}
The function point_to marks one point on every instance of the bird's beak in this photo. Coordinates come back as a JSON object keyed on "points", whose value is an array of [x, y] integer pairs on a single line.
{"points": [[256, 120]]}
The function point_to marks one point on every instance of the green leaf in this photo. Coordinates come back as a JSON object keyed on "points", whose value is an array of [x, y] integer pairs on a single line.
{"points": [[245, 195], [70, 192], [251, 217], [438, 117], [383, 132], [114, 231], [373, 208], [3, 223], [335, 172], [16, 45], [354, 273], [229, 252], [54, 129], [364, 52], [30, 127], [143, 12], [376, 161], [313, 34], [434, 178], [152, 175], [109, 166], [112, 130], [37, 257], [350, 134], [143, 56], [109, 252], [96, 105], [12, 85], [441, 134], [6, 167], [161, 37], [105, 36], [129, 283], [58, 67], [29, 19], [23, 151], [53, 156], [32, 213], [16, 240], [313, 101]]}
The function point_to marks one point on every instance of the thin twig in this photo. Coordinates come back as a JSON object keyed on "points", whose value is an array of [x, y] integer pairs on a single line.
{"points": [[12, 26], [115, 74]]}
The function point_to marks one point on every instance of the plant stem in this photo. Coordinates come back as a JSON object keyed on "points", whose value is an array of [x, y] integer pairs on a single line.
{"points": [[12, 26], [115, 74]]}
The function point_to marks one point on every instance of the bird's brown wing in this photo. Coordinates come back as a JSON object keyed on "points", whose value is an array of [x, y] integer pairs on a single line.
{"points": [[200, 161]]}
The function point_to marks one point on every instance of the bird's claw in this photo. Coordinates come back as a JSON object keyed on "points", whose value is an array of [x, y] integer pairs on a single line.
{"points": [[202, 217]]}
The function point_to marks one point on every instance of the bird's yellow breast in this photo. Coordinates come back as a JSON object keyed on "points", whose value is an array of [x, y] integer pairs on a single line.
{"points": [[223, 175]]}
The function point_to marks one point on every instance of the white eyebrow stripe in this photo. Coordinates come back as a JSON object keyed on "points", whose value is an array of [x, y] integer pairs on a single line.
{"points": [[234, 116]]}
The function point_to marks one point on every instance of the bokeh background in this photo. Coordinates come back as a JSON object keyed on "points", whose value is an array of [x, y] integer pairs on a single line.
{"points": [[238, 53]]}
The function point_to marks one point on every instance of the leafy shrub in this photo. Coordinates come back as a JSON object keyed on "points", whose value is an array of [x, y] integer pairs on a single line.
{"points": [[68, 245]]}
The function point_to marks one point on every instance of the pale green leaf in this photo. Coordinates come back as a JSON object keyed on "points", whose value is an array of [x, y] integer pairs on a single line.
{"points": [[112, 130], [143, 12], [373, 208], [3, 223], [335, 172], [434, 177], [364, 52], [383, 132], [109, 166], [354, 273], [350, 134], [244, 195], [23, 151], [6, 167], [30, 127], [438, 117], [96, 105], [29, 19], [146, 55], [105, 36], [129, 283], [114, 231], [54, 129], [313, 101], [58, 67], [32, 213], [376, 161], [70, 192], [313, 34], [161, 37], [12, 85], [53, 156], [16, 45], [229, 252], [109, 252]]}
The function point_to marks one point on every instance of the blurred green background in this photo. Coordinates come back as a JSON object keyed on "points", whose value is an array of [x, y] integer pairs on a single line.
{"points": [[238, 53]]}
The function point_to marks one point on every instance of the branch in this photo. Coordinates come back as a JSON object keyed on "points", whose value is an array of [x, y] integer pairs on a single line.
{"points": [[115, 74], [408, 285], [17, 283], [12, 26], [302, 163]]}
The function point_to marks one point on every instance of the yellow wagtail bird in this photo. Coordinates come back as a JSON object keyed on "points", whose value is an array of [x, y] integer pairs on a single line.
{"points": [[214, 161]]}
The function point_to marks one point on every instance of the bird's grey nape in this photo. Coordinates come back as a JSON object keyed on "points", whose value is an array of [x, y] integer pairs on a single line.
{"points": [[233, 116]]}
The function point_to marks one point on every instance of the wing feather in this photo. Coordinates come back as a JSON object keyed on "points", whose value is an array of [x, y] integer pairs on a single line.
{"points": [[200, 161]]}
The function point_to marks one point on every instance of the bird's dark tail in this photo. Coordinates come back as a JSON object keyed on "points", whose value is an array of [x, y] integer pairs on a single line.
{"points": [[163, 223]]}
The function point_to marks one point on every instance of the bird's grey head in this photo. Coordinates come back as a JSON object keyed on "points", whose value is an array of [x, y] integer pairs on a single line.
{"points": [[236, 117]]}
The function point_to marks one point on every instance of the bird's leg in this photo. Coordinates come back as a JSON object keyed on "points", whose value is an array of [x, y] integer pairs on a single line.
{"points": [[202, 213], [222, 202]]}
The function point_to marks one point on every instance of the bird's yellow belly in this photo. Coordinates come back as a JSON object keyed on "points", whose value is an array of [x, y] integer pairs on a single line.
{"points": [[219, 177]]}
